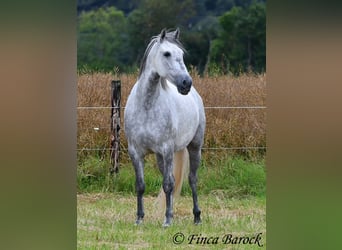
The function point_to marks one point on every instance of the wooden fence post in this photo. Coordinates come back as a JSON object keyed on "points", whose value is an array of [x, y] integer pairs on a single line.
{"points": [[115, 126]]}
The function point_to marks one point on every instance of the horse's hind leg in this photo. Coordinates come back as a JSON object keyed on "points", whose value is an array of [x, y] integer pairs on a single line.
{"points": [[195, 157], [138, 163]]}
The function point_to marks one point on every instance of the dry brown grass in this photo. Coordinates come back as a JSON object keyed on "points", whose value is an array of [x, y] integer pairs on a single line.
{"points": [[225, 127]]}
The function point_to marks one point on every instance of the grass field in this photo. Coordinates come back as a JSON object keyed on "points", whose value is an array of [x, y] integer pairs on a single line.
{"points": [[231, 184], [234, 176], [106, 221], [231, 195]]}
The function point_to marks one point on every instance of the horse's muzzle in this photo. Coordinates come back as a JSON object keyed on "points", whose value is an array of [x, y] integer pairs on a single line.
{"points": [[185, 85]]}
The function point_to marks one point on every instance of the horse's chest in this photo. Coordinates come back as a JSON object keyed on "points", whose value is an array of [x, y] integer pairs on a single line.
{"points": [[159, 124], [166, 123]]}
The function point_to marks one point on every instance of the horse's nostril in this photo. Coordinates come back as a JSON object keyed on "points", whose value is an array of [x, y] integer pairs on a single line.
{"points": [[187, 82]]}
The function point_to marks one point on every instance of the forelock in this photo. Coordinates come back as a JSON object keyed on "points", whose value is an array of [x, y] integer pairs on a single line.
{"points": [[169, 36]]}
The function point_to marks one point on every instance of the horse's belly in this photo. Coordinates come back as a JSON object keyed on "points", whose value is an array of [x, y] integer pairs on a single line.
{"points": [[183, 140]]}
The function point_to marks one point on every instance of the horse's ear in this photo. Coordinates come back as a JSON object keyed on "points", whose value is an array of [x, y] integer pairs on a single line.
{"points": [[176, 34], [162, 34]]}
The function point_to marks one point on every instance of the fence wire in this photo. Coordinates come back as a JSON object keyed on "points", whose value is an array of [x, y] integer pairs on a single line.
{"points": [[204, 148], [213, 107]]}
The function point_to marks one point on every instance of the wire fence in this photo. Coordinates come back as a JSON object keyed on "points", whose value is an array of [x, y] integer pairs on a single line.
{"points": [[203, 148], [213, 107]]}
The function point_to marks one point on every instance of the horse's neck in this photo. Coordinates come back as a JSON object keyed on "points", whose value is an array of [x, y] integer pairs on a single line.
{"points": [[148, 87]]}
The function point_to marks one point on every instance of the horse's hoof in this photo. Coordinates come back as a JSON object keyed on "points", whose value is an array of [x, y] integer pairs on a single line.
{"points": [[165, 225], [198, 222], [197, 217], [138, 222]]}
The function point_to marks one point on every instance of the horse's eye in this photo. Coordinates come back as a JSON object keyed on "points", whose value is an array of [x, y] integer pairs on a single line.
{"points": [[167, 54]]}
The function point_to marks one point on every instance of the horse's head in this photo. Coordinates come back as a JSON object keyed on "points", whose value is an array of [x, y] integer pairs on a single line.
{"points": [[168, 61]]}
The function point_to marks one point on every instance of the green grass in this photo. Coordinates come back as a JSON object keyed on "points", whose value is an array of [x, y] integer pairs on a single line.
{"points": [[231, 196], [233, 177], [106, 221]]}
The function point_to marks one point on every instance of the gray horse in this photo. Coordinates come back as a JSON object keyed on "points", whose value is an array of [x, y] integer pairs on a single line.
{"points": [[165, 115]]}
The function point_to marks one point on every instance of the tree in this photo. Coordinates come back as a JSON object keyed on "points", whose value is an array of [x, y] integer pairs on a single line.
{"points": [[154, 15], [197, 42], [124, 5], [101, 42], [241, 45]]}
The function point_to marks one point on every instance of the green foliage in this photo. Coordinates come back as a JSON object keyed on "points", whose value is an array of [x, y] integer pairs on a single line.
{"points": [[197, 42], [233, 41], [241, 45], [101, 42], [231, 177], [92, 174], [154, 15]]}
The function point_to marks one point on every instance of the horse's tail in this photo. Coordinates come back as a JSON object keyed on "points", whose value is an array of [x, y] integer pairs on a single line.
{"points": [[180, 169]]}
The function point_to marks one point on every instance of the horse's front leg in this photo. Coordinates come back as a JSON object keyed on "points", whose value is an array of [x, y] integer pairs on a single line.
{"points": [[165, 163], [195, 157], [138, 164]]}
